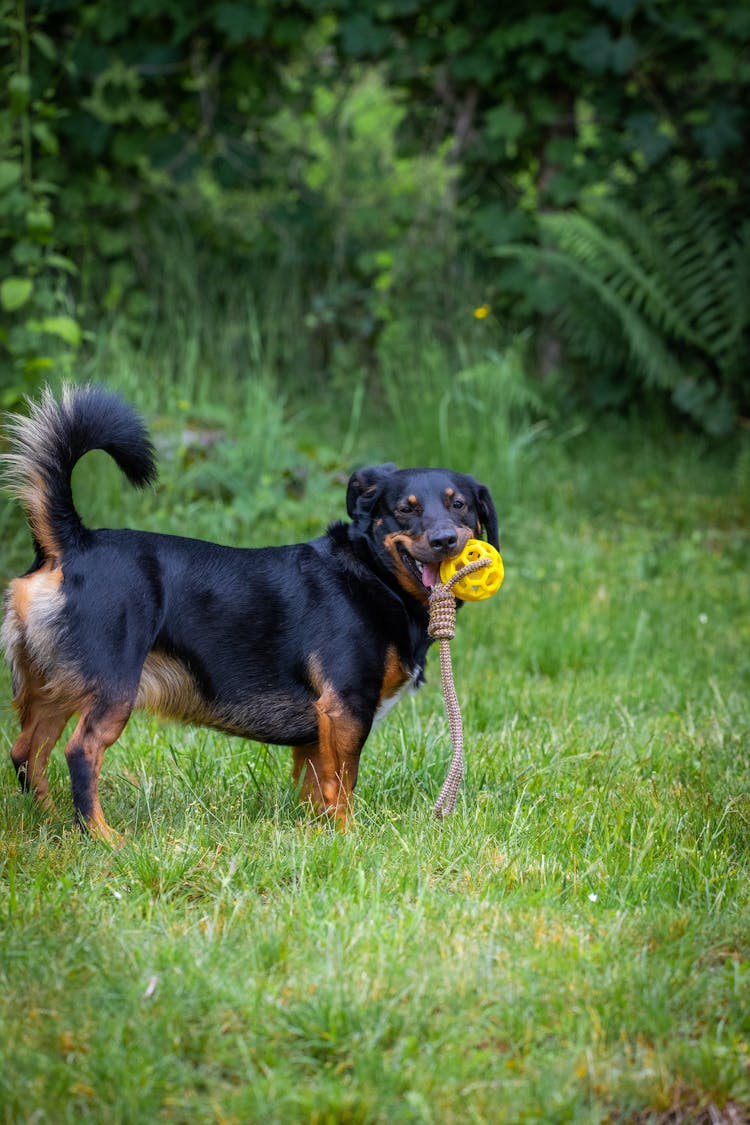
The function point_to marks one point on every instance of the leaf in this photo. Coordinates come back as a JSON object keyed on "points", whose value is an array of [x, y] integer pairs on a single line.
{"points": [[15, 292], [593, 49], [624, 54], [721, 133], [240, 22], [504, 123], [649, 136], [361, 36], [35, 364], [19, 88], [44, 45], [60, 262], [39, 222], [47, 139], [704, 402], [63, 326], [598, 52], [10, 173]]}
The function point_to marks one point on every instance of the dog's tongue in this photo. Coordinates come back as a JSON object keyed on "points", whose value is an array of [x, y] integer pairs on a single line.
{"points": [[430, 574]]}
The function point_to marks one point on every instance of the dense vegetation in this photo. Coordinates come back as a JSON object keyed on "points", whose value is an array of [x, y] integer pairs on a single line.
{"points": [[350, 169]]}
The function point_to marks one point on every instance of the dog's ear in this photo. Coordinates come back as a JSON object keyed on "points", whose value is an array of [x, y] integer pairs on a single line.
{"points": [[487, 515], [363, 488]]}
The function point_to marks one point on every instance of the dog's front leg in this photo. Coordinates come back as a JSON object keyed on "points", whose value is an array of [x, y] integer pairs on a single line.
{"points": [[326, 770]]}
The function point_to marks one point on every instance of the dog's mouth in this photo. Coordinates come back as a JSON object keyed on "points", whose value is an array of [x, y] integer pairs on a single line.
{"points": [[427, 573]]}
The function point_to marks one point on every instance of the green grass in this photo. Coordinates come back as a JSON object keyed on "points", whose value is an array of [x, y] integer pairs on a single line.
{"points": [[572, 945]]}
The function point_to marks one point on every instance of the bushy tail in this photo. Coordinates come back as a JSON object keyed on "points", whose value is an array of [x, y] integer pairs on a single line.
{"points": [[45, 446]]}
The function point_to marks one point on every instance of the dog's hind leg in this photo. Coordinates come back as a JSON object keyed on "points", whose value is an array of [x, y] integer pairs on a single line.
{"points": [[42, 723], [42, 717], [98, 727]]}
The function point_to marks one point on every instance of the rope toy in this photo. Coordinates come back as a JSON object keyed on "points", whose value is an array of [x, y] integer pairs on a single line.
{"points": [[476, 573]]}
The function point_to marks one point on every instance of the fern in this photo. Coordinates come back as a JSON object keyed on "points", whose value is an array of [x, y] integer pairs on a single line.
{"points": [[615, 263], [645, 345], [672, 281]]}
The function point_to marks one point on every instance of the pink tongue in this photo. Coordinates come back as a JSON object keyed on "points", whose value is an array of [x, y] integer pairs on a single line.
{"points": [[430, 574]]}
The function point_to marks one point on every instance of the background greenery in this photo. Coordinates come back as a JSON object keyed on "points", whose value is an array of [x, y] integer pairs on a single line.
{"points": [[306, 236], [347, 167]]}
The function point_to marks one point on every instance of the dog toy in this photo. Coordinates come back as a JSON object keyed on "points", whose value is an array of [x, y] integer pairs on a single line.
{"points": [[477, 584], [475, 574]]}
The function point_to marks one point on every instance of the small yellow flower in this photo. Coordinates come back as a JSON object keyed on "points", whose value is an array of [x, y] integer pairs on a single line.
{"points": [[82, 1090], [482, 312]]}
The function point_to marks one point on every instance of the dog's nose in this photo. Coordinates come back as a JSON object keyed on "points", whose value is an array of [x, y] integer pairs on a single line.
{"points": [[443, 539]]}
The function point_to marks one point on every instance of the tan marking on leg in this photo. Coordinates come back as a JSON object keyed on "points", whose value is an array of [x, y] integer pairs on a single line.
{"points": [[97, 729], [325, 781], [339, 744], [305, 775], [331, 764], [31, 750], [43, 715]]}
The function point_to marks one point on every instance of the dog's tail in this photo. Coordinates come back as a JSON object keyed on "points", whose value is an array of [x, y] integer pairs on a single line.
{"points": [[45, 446]]}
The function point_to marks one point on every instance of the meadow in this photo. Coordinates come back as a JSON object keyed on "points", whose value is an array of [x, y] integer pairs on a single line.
{"points": [[572, 945]]}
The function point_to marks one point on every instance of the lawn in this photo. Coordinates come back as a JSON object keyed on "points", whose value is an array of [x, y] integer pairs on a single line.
{"points": [[573, 944]]}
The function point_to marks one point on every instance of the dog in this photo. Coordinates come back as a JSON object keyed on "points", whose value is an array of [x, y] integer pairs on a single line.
{"points": [[303, 645]]}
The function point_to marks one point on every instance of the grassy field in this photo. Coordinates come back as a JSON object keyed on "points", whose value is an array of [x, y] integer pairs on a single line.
{"points": [[572, 945]]}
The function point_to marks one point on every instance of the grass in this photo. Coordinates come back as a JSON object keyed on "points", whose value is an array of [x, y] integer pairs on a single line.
{"points": [[572, 945]]}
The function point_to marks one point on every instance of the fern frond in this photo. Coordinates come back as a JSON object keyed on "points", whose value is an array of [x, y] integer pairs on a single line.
{"points": [[701, 256], [656, 363], [667, 285], [617, 266]]}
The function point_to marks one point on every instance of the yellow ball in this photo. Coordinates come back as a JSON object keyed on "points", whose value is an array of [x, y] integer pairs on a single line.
{"points": [[481, 583]]}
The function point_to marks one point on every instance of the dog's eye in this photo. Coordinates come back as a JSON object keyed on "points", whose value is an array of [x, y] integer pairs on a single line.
{"points": [[404, 510], [459, 505]]}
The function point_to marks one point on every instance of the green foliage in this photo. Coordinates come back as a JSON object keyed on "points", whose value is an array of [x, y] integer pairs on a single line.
{"points": [[660, 292], [357, 158], [509, 86], [473, 407], [383, 226], [39, 330]]}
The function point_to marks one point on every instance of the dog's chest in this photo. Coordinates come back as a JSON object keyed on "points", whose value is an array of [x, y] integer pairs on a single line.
{"points": [[398, 681]]}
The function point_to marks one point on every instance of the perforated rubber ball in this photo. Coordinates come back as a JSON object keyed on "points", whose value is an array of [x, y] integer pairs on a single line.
{"points": [[481, 583]]}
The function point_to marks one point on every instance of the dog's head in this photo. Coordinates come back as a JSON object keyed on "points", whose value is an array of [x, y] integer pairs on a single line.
{"points": [[415, 519]]}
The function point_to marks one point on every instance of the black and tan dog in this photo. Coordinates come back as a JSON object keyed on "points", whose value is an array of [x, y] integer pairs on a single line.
{"points": [[303, 645]]}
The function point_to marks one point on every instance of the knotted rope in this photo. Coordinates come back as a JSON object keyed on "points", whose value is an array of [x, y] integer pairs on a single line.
{"points": [[442, 628]]}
